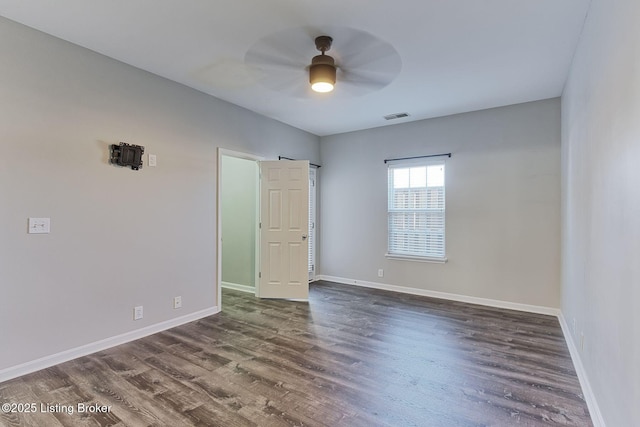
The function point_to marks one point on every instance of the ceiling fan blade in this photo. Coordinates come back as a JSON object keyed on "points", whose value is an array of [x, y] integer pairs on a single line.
{"points": [[264, 60], [289, 81], [367, 84], [296, 88], [227, 73], [360, 48], [383, 59], [366, 77], [387, 62], [353, 43], [292, 46]]}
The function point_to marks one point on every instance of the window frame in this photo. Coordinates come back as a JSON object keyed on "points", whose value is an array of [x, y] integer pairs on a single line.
{"points": [[407, 256]]}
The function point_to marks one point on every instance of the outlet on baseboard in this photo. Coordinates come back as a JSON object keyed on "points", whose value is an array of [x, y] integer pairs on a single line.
{"points": [[177, 302], [137, 313]]}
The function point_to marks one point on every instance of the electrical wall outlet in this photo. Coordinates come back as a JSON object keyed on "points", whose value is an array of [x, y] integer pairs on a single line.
{"points": [[177, 302], [152, 160], [137, 313], [380, 273]]}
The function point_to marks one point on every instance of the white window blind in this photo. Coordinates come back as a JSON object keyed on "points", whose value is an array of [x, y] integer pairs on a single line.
{"points": [[416, 209]]}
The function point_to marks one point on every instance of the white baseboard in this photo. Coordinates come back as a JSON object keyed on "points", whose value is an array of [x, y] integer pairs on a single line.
{"points": [[589, 397], [237, 287], [65, 356], [445, 295]]}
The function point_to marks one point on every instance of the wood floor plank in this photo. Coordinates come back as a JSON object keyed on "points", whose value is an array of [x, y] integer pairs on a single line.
{"points": [[349, 357], [18, 392]]}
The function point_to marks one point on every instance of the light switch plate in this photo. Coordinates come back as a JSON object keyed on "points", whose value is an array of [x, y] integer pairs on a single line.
{"points": [[39, 225], [152, 160]]}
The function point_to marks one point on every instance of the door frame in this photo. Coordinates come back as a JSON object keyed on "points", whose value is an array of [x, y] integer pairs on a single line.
{"points": [[245, 156], [313, 236]]}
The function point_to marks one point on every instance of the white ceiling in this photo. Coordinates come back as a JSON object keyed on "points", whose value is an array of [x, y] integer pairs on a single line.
{"points": [[456, 55]]}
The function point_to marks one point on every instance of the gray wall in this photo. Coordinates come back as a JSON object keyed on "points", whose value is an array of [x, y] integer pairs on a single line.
{"points": [[119, 238], [503, 203], [601, 206], [238, 206]]}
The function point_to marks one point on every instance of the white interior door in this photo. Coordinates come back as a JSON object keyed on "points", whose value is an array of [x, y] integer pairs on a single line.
{"points": [[284, 222]]}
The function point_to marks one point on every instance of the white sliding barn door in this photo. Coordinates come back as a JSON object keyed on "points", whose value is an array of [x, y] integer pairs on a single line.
{"points": [[284, 218]]}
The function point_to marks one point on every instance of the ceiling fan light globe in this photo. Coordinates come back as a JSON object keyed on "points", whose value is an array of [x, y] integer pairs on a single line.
{"points": [[322, 87]]}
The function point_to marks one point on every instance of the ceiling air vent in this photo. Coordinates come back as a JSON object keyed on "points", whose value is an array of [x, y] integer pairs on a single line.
{"points": [[396, 116]]}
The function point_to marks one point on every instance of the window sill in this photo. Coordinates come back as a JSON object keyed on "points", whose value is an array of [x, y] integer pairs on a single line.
{"points": [[416, 258]]}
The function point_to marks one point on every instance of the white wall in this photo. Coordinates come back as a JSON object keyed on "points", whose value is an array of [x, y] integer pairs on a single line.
{"points": [[238, 204], [503, 203], [601, 206], [119, 238]]}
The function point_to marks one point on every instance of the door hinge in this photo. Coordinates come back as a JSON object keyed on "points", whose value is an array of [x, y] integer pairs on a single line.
{"points": [[260, 275], [260, 225]]}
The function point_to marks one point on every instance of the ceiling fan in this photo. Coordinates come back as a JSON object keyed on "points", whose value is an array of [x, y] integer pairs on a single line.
{"points": [[359, 63], [322, 71]]}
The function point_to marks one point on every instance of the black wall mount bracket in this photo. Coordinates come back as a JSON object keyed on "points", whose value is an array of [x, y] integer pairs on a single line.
{"points": [[127, 155]]}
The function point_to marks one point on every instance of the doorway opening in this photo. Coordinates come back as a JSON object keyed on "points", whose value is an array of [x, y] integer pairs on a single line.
{"points": [[238, 218], [238, 223]]}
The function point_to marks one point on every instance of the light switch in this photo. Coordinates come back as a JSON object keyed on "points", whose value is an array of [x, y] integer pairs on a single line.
{"points": [[39, 225], [152, 160]]}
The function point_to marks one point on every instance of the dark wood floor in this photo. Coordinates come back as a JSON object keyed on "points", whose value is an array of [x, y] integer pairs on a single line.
{"points": [[350, 357]]}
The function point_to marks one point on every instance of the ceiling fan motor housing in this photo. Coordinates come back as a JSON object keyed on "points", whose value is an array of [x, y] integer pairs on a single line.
{"points": [[322, 69]]}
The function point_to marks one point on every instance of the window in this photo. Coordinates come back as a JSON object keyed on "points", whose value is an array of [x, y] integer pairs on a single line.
{"points": [[416, 210]]}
